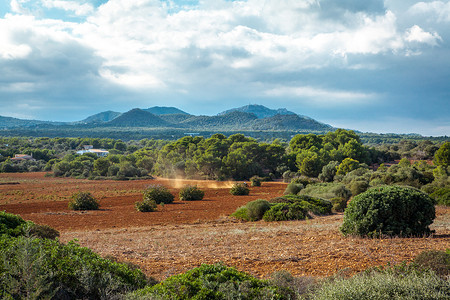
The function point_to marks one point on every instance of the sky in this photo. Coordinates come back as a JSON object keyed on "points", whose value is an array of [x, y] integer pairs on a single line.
{"points": [[373, 66]]}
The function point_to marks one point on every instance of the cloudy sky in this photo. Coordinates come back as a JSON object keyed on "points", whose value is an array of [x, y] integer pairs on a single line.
{"points": [[373, 65]]}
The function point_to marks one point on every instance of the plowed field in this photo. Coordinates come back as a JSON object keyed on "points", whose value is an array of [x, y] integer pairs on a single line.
{"points": [[183, 235]]}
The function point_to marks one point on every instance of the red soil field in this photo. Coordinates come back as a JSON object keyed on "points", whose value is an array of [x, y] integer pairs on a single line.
{"points": [[183, 235]]}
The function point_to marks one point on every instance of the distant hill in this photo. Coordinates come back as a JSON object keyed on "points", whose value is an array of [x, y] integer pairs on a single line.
{"points": [[105, 116], [9, 122], [245, 118], [164, 110], [259, 111], [137, 118], [231, 120], [288, 122]]}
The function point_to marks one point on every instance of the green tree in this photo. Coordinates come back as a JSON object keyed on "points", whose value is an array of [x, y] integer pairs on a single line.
{"points": [[442, 155], [101, 166], [347, 165]]}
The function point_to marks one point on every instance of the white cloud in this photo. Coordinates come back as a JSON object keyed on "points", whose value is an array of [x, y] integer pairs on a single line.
{"points": [[417, 34], [80, 9], [436, 10]]}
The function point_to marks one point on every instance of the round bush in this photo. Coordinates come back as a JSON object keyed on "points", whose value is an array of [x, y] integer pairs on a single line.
{"points": [[189, 193], [389, 210], [256, 209], [239, 189], [293, 188], [286, 212], [159, 194], [145, 206], [43, 232], [256, 181], [339, 204], [83, 201]]}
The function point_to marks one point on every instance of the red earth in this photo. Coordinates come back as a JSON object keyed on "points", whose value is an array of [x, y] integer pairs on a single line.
{"points": [[185, 234]]}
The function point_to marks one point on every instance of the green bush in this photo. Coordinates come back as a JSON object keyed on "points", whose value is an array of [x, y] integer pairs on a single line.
{"points": [[256, 181], [442, 196], [256, 209], [239, 189], [286, 212], [189, 193], [43, 231], [83, 201], [437, 261], [389, 210], [158, 193], [212, 282], [339, 204], [358, 186], [241, 214], [385, 285], [314, 205], [44, 269], [11, 224], [146, 205], [293, 188]]}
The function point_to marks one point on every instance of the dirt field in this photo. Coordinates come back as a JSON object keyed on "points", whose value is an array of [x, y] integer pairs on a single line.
{"points": [[184, 235]]}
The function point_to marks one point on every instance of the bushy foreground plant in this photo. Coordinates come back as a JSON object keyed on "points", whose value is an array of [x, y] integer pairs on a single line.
{"points": [[158, 193], [293, 188], [212, 282], [377, 285], [389, 210], [44, 269], [239, 189], [189, 193], [83, 201], [14, 226]]}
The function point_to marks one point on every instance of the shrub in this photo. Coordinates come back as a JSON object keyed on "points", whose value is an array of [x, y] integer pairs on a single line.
{"points": [[11, 224], [189, 193], [358, 186], [256, 181], [442, 196], [212, 282], [239, 189], [385, 285], [83, 201], [158, 193], [43, 231], [327, 190], [389, 210], [286, 212], [298, 285], [438, 261], [241, 213], [339, 204], [293, 188], [44, 269], [256, 209], [145, 206]]}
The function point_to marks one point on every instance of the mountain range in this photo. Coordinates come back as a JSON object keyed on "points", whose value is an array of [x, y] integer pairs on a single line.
{"points": [[249, 117]]}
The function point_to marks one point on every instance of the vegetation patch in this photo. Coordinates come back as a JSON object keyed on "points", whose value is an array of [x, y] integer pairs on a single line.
{"points": [[83, 201], [158, 193], [239, 189], [389, 210], [146, 205], [212, 282], [189, 193]]}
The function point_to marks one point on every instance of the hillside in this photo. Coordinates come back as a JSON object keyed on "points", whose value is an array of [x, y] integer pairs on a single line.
{"points": [[137, 118], [9, 122], [105, 116], [164, 110], [288, 122], [259, 111], [231, 120]]}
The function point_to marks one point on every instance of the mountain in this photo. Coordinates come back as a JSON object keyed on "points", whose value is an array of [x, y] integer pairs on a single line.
{"points": [[137, 118], [9, 122], [246, 118], [231, 120], [164, 110], [288, 122], [105, 116], [260, 111]]}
